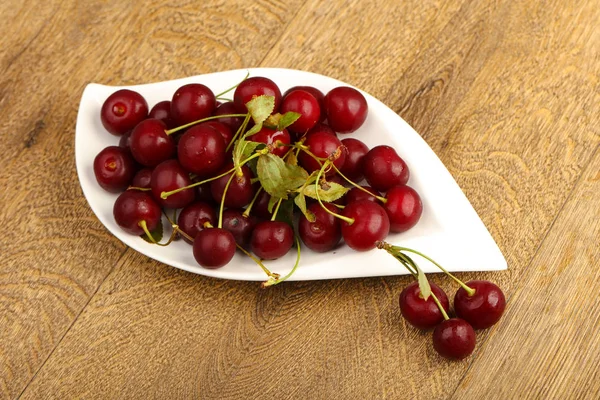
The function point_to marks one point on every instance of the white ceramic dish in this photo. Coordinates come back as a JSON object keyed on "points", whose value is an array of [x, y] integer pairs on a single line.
{"points": [[449, 231]]}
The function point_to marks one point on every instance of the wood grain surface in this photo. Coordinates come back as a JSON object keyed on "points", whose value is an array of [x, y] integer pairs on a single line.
{"points": [[506, 93]]}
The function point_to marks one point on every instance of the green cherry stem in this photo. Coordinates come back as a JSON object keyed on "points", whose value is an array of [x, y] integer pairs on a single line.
{"points": [[271, 275], [356, 185], [220, 225], [272, 282], [141, 189], [142, 224], [246, 212], [179, 128], [234, 86], [350, 221], [276, 209], [241, 129]]}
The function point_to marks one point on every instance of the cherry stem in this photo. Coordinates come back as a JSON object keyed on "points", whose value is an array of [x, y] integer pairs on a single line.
{"points": [[220, 225], [179, 128], [270, 274], [142, 224], [437, 303], [469, 290], [241, 129], [164, 195], [246, 212], [141, 189], [272, 282], [350, 221], [234, 86], [356, 185], [276, 209]]}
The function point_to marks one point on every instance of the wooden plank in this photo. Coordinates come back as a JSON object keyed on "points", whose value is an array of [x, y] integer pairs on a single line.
{"points": [[55, 253], [547, 346]]}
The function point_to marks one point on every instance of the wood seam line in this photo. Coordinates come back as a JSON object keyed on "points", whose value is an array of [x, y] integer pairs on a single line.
{"points": [[73, 322], [534, 256]]}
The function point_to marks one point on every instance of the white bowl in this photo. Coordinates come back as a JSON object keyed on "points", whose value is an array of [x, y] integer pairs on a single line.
{"points": [[449, 230]]}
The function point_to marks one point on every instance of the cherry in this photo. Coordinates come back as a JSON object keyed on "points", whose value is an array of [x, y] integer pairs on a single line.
{"points": [[192, 218], [125, 141], [261, 205], [421, 313], [201, 150], [168, 176], [122, 111], [270, 136], [371, 224], [317, 95], [162, 111], [305, 104], [324, 233], [255, 86], [134, 206], [224, 130], [384, 169], [322, 145], [228, 108], [271, 239], [239, 225], [454, 338], [355, 194], [355, 152], [484, 308], [214, 247], [240, 191], [320, 127], [192, 102], [346, 109], [150, 144], [114, 168], [404, 208], [142, 178]]}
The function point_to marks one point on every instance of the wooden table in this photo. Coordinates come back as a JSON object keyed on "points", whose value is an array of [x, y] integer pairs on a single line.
{"points": [[507, 93]]}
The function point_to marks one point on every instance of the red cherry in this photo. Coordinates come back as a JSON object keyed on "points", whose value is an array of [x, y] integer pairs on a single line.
{"points": [[150, 144], [114, 168], [192, 102], [454, 339], [421, 313], [317, 95], [371, 224], [484, 308], [240, 191], [134, 206], [270, 136], [228, 108], [192, 218], [346, 109], [355, 194], [142, 178], [168, 176], [214, 247], [355, 152], [162, 111], [322, 145], [239, 225], [404, 207], [324, 233], [305, 104], [384, 169], [122, 111], [271, 239], [201, 150], [255, 86]]}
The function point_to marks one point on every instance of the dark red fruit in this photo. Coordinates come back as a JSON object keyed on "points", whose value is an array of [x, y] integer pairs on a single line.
{"points": [[162, 111], [322, 145], [150, 145], [224, 130], [320, 127], [255, 86], [168, 176], [125, 141], [324, 233], [316, 93], [270, 136], [214, 247], [355, 194], [484, 308], [142, 178], [404, 208], [201, 150], [192, 102], [260, 208], [192, 218], [371, 224], [240, 191], [228, 108], [355, 152], [134, 206], [239, 225], [305, 104], [421, 313], [384, 169], [454, 339], [271, 239], [114, 168], [346, 109], [122, 111]]}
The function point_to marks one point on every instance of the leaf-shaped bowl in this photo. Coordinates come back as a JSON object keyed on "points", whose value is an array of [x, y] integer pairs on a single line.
{"points": [[449, 230]]}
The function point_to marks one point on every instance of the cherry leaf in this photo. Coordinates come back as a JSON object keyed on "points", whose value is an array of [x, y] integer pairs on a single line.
{"points": [[157, 234], [300, 201], [253, 130], [260, 108], [273, 121], [278, 178], [328, 192], [291, 158], [287, 119], [423, 284]]}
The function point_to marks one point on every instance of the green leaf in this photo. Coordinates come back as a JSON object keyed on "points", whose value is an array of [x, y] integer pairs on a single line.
{"points": [[261, 107], [291, 158], [244, 149], [330, 191], [157, 234], [423, 284], [300, 201], [253, 130], [287, 119], [278, 178], [273, 121]]}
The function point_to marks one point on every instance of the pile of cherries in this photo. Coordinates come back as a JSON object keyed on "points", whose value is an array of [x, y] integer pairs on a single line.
{"points": [[226, 169]]}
